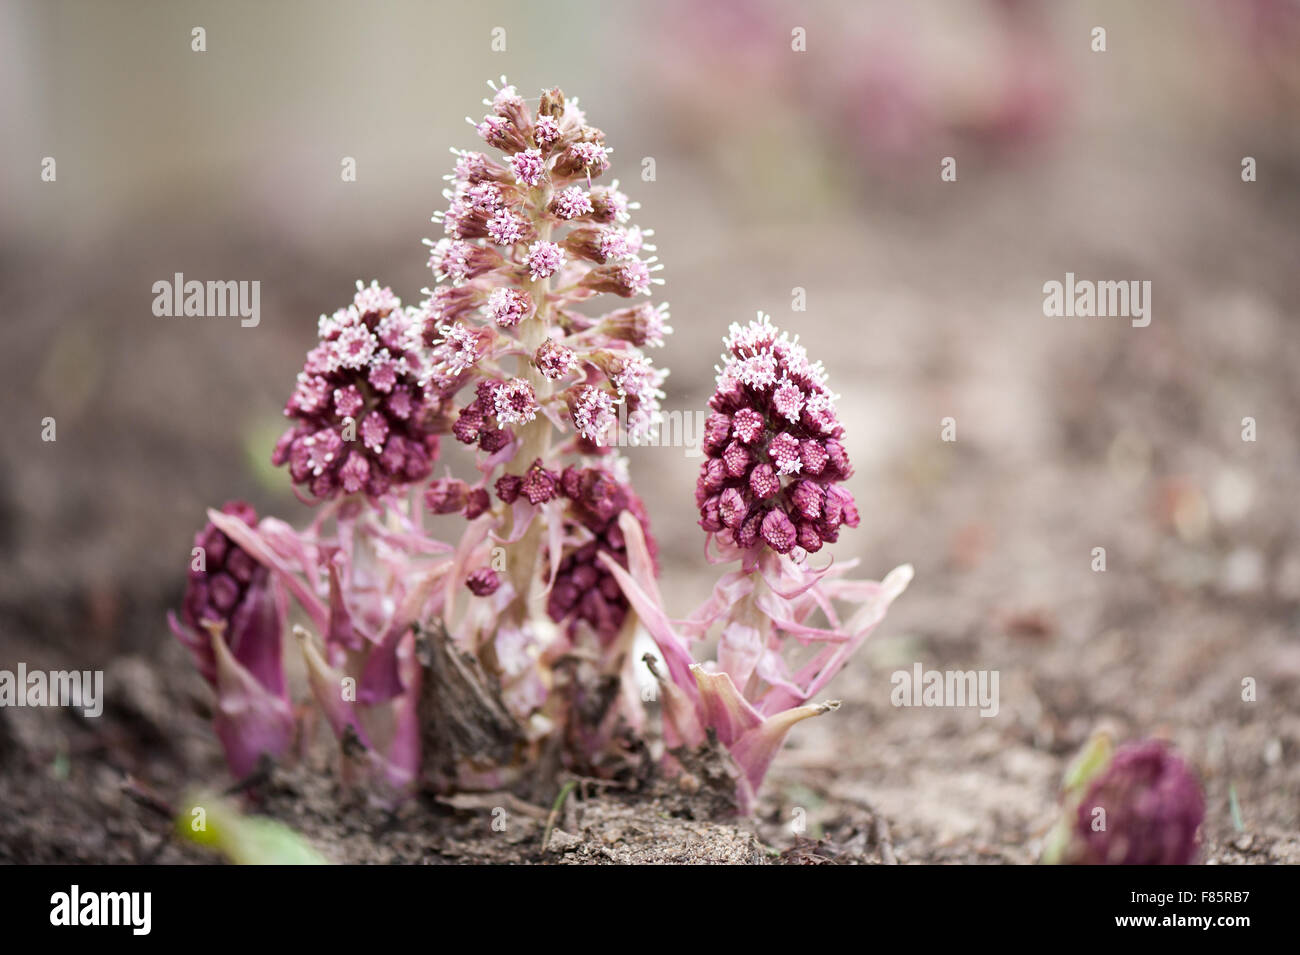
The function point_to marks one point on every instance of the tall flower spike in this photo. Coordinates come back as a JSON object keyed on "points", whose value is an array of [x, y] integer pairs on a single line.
{"points": [[530, 237]]}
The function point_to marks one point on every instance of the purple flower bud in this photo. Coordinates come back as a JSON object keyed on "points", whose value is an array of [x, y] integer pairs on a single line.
{"points": [[710, 516], [599, 244], [476, 503], [747, 424], [509, 306], [1144, 809], [640, 325], [717, 428], [493, 440], [585, 159], [784, 450], [508, 487], [446, 496], [539, 484], [778, 532], [528, 166], [544, 259], [608, 204], [554, 360], [747, 536], [813, 456], [737, 459], [571, 203], [732, 508], [764, 482], [483, 582], [625, 278], [809, 539]]}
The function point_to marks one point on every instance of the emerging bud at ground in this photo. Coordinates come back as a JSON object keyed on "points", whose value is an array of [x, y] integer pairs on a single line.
{"points": [[1141, 806], [244, 840]]}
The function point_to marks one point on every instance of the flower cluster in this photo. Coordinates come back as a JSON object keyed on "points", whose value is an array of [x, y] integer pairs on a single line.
{"points": [[364, 421], [584, 590], [473, 664], [774, 462]]}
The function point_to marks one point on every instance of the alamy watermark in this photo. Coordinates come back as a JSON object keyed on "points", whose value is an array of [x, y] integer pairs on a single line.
{"points": [[131, 909], [194, 299], [1085, 298], [668, 429], [946, 688], [80, 688]]}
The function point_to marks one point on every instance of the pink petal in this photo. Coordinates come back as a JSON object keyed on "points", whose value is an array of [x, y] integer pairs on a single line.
{"points": [[754, 751], [725, 711], [250, 721], [251, 541]]}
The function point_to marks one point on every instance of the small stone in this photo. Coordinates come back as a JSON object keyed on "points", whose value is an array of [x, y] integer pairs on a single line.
{"points": [[562, 841]]}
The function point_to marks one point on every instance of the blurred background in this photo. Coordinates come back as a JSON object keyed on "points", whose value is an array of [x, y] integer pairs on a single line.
{"points": [[775, 169]]}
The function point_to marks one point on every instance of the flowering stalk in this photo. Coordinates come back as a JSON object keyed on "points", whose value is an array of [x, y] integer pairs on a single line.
{"points": [[769, 494]]}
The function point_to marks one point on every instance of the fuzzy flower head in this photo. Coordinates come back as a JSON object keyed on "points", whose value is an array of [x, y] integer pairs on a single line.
{"points": [[592, 412], [774, 461], [363, 421]]}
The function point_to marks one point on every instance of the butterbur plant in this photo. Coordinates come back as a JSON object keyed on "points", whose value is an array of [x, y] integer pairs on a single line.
{"points": [[505, 653]]}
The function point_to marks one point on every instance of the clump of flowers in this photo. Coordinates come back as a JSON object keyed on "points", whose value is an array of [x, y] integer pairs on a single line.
{"points": [[470, 663], [1137, 805]]}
